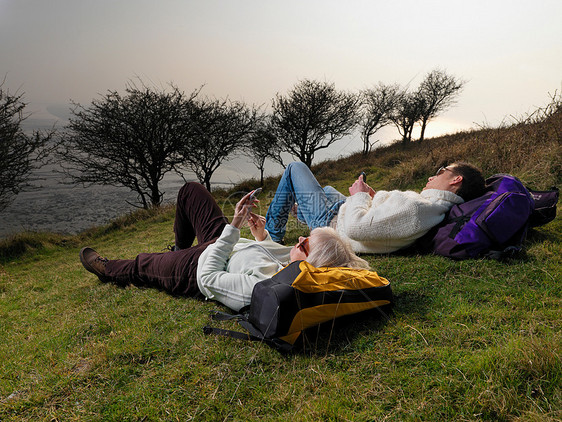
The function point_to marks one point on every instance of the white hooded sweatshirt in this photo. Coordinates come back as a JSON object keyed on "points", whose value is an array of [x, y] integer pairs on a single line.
{"points": [[228, 270]]}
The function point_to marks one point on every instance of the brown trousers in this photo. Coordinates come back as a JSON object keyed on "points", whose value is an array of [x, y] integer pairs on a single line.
{"points": [[197, 215]]}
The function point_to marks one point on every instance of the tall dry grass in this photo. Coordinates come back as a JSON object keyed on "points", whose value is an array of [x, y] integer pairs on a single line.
{"points": [[530, 147]]}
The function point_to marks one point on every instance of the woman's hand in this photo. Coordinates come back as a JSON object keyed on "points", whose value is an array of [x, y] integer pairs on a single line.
{"points": [[257, 226], [242, 210]]}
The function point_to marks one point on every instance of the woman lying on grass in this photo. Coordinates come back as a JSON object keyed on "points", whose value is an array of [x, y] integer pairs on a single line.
{"points": [[222, 266]]}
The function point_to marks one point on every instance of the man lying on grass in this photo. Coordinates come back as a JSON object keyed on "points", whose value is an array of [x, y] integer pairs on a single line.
{"points": [[373, 222], [222, 266]]}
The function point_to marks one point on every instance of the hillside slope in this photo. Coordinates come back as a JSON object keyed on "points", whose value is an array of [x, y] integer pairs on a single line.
{"points": [[469, 340]]}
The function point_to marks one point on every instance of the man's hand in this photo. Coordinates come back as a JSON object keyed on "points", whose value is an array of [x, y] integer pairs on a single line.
{"points": [[360, 186], [257, 226]]}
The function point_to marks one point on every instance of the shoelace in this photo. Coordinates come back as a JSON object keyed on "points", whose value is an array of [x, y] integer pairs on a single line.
{"points": [[170, 248], [101, 259]]}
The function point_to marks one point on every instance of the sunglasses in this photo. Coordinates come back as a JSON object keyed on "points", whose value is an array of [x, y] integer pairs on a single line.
{"points": [[303, 246], [442, 170]]}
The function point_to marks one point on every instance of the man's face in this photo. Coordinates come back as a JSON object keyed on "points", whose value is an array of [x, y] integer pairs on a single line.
{"points": [[443, 180]]}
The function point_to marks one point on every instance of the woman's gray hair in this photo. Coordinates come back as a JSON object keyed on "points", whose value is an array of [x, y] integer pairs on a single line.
{"points": [[329, 249]]}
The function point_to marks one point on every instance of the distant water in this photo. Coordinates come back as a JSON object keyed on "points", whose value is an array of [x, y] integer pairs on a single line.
{"points": [[52, 206], [69, 209]]}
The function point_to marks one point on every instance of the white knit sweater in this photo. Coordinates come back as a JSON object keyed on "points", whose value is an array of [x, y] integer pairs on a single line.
{"points": [[228, 270], [392, 219]]}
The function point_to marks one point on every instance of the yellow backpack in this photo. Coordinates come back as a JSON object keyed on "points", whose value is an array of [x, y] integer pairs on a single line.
{"points": [[301, 296]]}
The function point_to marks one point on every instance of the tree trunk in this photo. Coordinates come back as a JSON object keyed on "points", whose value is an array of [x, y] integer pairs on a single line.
{"points": [[307, 160], [366, 145], [410, 130], [424, 124], [207, 183], [155, 196], [405, 139]]}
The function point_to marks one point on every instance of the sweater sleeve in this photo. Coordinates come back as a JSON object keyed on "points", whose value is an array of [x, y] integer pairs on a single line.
{"points": [[215, 282], [267, 238], [389, 215], [392, 219]]}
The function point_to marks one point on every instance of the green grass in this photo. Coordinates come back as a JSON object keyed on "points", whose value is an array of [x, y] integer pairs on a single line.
{"points": [[469, 340], [466, 341]]}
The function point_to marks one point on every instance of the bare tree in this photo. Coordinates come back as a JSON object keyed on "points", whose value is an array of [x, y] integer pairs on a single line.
{"points": [[20, 153], [263, 145], [377, 106], [218, 129], [131, 140], [312, 117], [439, 91], [406, 113]]}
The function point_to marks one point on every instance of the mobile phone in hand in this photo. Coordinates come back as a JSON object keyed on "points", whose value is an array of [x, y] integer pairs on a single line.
{"points": [[255, 193], [364, 176]]}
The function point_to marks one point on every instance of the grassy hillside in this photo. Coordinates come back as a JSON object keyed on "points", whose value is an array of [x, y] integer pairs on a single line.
{"points": [[470, 340]]}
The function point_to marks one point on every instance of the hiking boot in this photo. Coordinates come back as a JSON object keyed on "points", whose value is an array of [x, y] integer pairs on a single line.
{"points": [[94, 263]]}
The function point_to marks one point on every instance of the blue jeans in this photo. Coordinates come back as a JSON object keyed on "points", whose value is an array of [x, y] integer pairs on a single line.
{"points": [[316, 205]]}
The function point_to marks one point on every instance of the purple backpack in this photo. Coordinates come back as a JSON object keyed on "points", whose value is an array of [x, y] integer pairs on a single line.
{"points": [[493, 225]]}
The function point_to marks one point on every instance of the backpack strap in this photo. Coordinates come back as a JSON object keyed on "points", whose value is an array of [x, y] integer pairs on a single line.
{"points": [[253, 335], [459, 221], [277, 344], [230, 333], [545, 206], [223, 316], [507, 253]]}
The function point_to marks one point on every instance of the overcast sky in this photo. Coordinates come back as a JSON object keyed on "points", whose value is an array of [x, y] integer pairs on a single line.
{"points": [[508, 52]]}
